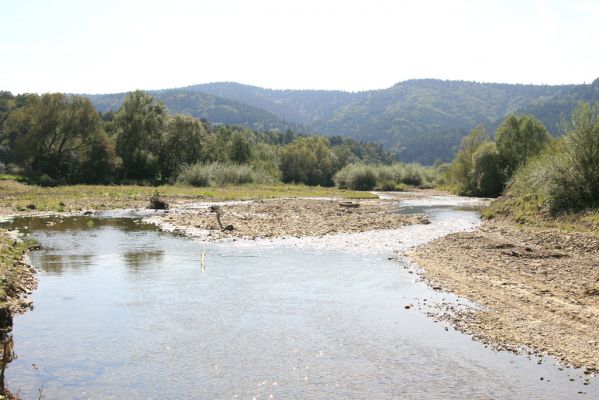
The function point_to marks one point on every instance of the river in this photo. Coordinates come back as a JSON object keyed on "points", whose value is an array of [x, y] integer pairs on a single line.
{"points": [[125, 311]]}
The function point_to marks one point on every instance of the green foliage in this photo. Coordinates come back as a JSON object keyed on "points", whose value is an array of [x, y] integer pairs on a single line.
{"points": [[53, 135], [487, 171], [141, 143], [518, 139], [460, 170], [385, 177], [182, 144], [422, 120], [357, 177], [566, 175], [308, 160], [139, 125], [238, 149], [219, 174]]}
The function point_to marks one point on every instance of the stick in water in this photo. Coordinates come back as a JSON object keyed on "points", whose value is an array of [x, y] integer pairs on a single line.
{"points": [[203, 260]]}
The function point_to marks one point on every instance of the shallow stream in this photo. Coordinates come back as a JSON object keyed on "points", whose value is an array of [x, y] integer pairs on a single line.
{"points": [[124, 311]]}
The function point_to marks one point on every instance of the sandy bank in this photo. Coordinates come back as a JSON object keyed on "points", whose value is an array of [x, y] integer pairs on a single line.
{"points": [[537, 287]]}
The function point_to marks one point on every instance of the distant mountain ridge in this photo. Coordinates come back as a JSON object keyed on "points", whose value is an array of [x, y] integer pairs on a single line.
{"points": [[217, 110], [422, 119]]}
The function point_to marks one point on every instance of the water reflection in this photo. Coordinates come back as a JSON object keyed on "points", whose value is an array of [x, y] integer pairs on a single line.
{"points": [[57, 263], [138, 260]]}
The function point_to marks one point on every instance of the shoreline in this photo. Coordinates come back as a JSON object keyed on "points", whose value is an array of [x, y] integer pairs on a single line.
{"points": [[535, 288]]}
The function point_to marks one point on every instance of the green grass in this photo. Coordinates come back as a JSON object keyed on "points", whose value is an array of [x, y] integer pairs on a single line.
{"points": [[533, 211], [11, 177], [18, 196]]}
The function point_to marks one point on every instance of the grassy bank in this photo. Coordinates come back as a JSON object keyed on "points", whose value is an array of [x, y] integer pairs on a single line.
{"points": [[12, 272], [15, 196], [534, 212]]}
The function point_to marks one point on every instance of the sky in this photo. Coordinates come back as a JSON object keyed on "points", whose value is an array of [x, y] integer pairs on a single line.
{"points": [[112, 46]]}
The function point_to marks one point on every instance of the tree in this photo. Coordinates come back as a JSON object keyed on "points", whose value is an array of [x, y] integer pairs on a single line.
{"points": [[238, 149], [182, 144], [518, 138], [308, 160], [52, 134], [139, 126], [460, 171], [487, 172]]}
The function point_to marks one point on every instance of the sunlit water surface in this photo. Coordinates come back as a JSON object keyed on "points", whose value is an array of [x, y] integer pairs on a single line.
{"points": [[124, 311]]}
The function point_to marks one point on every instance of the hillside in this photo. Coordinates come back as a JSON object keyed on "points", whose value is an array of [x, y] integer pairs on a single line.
{"points": [[423, 120], [214, 109], [299, 106]]}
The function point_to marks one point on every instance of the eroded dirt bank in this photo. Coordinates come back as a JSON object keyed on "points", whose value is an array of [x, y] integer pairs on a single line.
{"points": [[537, 287], [285, 218]]}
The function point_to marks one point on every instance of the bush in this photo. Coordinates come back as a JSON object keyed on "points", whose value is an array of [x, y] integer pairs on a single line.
{"points": [[385, 177], [221, 174], [356, 177]]}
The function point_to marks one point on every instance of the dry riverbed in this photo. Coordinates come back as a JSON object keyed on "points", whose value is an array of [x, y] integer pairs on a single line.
{"points": [[275, 218], [536, 287]]}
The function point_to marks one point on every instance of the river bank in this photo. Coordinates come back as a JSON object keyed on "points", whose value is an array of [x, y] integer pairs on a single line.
{"points": [[17, 277], [537, 287]]}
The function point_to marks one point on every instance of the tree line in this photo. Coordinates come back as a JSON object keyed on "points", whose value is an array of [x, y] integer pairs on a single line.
{"points": [[62, 139]]}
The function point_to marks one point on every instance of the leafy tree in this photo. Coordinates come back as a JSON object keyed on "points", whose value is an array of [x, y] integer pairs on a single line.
{"points": [[460, 171], [53, 133], [139, 126], [487, 171], [238, 149], [308, 160], [519, 138], [182, 144]]}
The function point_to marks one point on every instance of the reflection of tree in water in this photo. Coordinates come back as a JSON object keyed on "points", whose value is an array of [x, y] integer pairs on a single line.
{"points": [[138, 260], [6, 347], [58, 263], [79, 223]]}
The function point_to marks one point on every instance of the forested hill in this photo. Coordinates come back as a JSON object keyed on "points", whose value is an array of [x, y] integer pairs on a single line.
{"points": [[217, 110], [299, 106], [423, 119]]}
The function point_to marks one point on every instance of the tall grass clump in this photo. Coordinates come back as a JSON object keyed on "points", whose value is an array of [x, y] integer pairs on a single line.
{"points": [[222, 174]]}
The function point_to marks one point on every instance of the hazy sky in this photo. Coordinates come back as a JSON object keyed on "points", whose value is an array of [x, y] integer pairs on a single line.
{"points": [[119, 45]]}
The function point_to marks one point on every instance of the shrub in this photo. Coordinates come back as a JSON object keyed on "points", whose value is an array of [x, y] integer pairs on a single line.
{"points": [[356, 177], [566, 175], [385, 177], [221, 174]]}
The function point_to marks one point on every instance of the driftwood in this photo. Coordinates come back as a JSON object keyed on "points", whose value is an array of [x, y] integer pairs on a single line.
{"points": [[217, 210], [156, 203], [349, 204]]}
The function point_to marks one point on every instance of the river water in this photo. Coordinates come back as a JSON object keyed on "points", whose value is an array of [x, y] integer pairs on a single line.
{"points": [[124, 311]]}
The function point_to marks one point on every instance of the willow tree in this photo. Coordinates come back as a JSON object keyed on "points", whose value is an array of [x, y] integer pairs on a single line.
{"points": [[52, 134]]}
